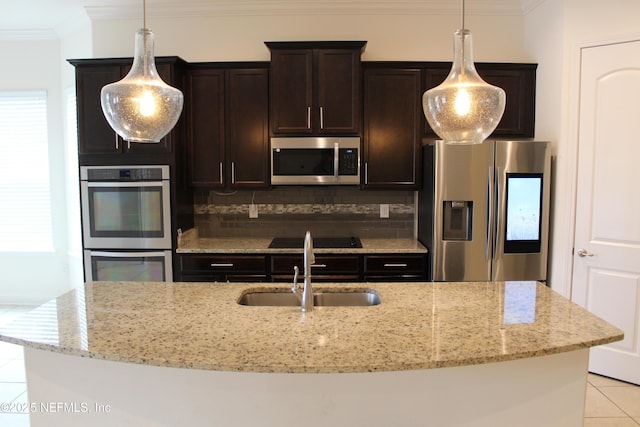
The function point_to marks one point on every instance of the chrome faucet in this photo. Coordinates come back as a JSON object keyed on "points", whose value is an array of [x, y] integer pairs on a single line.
{"points": [[305, 292]]}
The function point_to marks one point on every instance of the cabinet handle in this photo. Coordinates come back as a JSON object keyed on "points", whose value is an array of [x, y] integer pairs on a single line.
{"points": [[336, 158], [117, 142], [366, 172], [308, 117], [221, 173], [318, 265], [321, 118], [221, 265], [397, 265], [233, 172]]}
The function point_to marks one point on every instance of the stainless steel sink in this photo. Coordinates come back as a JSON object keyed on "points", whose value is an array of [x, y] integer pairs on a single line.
{"points": [[346, 298]]}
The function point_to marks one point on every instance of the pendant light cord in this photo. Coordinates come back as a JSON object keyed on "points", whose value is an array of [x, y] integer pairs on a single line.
{"points": [[463, 35], [144, 27]]}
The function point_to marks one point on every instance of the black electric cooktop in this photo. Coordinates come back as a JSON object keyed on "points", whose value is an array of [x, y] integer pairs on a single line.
{"points": [[318, 242]]}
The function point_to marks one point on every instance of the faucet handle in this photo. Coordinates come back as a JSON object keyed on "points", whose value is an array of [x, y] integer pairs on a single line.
{"points": [[294, 287]]}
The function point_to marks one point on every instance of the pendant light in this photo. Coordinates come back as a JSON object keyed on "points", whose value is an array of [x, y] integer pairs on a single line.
{"points": [[141, 107], [463, 109]]}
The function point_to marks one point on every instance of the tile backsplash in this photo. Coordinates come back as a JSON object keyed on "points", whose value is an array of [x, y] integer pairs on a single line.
{"points": [[291, 211]]}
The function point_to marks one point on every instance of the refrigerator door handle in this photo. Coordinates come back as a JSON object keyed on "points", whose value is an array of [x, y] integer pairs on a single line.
{"points": [[490, 187], [498, 214]]}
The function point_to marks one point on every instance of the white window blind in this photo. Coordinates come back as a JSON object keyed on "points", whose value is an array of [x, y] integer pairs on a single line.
{"points": [[25, 196]]}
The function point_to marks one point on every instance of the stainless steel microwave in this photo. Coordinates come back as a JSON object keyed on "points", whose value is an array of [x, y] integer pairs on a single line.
{"points": [[315, 161]]}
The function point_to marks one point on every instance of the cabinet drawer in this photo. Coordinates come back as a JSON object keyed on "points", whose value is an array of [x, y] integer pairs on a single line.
{"points": [[395, 264], [224, 263], [324, 264]]}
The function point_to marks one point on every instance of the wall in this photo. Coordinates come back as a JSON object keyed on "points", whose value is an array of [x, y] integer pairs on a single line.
{"points": [[291, 211], [555, 30], [240, 36], [75, 43]]}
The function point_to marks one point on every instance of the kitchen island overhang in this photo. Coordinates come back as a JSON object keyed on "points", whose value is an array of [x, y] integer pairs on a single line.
{"points": [[504, 350]]}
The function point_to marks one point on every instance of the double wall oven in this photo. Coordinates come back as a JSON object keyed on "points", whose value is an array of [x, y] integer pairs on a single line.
{"points": [[126, 222]]}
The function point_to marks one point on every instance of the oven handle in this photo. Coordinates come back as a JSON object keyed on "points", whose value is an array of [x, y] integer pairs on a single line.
{"points": [[124, 184], [126, 254]]}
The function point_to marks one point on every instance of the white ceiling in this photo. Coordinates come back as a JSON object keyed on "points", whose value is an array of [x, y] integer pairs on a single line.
{"points": [[54, 15]]}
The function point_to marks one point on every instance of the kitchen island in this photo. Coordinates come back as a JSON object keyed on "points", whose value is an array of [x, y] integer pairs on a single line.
{"points": [[481, 354]]}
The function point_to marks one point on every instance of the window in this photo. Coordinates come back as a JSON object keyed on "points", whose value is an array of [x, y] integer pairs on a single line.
{"points": [[25, 196]]}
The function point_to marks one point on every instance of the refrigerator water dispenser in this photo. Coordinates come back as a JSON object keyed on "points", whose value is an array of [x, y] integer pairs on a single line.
{"points": [[458, 217]]}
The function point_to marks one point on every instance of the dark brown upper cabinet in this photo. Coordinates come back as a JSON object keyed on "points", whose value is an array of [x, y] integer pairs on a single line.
{"points": [[519, 84], [315, 88], [392, 127], [227, 130], [97, 141]]}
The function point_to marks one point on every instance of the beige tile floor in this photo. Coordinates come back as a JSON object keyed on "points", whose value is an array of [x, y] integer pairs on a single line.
{"points": [[609, 403]]}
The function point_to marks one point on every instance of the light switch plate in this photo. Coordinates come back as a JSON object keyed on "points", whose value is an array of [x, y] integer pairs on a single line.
{"points": [[253, 211], [384, 211]]}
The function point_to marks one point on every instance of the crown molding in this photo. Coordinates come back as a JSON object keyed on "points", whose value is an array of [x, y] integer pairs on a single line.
{"points": [[300, 7], [529, 5]]}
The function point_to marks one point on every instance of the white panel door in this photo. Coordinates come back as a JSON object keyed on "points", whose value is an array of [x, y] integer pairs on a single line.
{"points": [[606, 268]]}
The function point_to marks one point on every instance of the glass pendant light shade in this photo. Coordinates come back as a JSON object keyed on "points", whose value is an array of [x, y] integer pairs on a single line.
{"points": [[464, 109], [141, 107]]}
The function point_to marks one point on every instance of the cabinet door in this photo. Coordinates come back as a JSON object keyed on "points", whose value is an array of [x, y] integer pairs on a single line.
{"points": [[205, 94], [167, 74], [95, 136], [395, 268], [326, 268], [338, 80], [519, 84], [223, 268], [291, 91], [392, 118], [247, 116]]}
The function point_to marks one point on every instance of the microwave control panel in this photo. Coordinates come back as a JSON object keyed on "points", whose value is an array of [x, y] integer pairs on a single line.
{"points": [[348, 161]]}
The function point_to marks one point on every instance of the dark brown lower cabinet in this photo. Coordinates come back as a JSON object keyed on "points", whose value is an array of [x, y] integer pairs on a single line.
{"points": [[326, 268], [280, 267], [223, 268], [395, 268]]}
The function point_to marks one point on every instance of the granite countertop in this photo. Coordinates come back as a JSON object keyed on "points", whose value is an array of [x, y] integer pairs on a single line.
{"points": [[191, 243], [417, 326]]}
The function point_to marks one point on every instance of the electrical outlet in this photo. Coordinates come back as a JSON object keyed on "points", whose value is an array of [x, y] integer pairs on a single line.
{"points": [[253, 211], [384, 211]]}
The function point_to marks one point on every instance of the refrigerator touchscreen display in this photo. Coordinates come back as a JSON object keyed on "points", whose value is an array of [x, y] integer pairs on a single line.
{"points": [[523, 213]]}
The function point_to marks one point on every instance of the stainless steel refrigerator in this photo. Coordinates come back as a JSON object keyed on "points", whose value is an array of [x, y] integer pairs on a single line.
{"points": [[483, 211]]}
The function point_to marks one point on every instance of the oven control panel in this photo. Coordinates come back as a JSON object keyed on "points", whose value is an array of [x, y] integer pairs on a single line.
{"points": [[124, 173]]}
